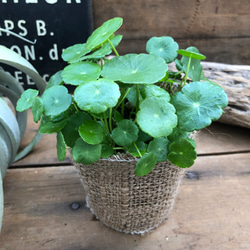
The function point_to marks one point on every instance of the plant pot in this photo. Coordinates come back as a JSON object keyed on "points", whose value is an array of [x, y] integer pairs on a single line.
{"points": [[126, 202]]}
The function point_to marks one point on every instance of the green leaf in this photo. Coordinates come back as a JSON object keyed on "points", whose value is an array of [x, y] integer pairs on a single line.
{"points": [[26, 99], [117, 116], [125, 133], [141, 147], [56, 100], [37, 109], [191, 54], [137, 69], [60, 146], [156, 117], [159, 146], [146, 164], [70, 131], [198, 105], [182, 153], [164, 47], [80, 72], [178, 134], [195, 68], [132, 95], [97, 96], [85, 153], [56, 79], [74, 53], [107, 151], [142, 136], [91, 132], [105, 50], [49, 126], [155, 91], [103, 33]]}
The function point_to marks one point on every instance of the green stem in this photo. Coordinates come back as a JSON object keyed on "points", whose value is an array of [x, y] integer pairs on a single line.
{"points": [[118, 148], [137, 149], [114, 49], [110, 119], [186, 75], [123, 98], [137, 97], [106, 123], [76, 108]]}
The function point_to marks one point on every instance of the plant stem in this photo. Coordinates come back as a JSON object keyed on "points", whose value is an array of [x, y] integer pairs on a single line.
{"points": [[114, 49], [123, 98], [106, 123], [110, 119], [137, 97], [76, 108], [138, 151], [186, 75], [118, 148], [107, 126]]}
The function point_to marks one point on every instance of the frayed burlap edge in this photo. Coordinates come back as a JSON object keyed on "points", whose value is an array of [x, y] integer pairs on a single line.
{"points": [[126, 202]]}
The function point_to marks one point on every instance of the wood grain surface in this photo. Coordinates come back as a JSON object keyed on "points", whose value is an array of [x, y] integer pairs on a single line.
{"points": [[219, 28], [45, 203]]}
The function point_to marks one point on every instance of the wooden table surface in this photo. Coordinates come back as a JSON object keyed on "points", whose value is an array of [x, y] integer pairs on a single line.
{"points": [[212, 209]]}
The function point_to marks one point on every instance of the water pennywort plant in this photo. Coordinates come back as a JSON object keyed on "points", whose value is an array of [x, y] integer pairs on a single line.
{"points": [[131, 103]]}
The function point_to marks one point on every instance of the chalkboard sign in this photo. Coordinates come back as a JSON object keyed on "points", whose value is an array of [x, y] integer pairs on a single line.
{"points": [[49, 26]]}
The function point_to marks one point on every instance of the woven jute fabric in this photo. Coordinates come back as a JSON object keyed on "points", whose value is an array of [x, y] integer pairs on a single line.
{"points": [[126, 202]]}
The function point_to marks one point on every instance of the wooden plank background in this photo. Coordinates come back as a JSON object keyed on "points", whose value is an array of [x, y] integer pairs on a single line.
{"points": [[218, 28]]}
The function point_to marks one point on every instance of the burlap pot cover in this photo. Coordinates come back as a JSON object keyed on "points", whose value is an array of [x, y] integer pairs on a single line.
{"points": [[125, 202]]}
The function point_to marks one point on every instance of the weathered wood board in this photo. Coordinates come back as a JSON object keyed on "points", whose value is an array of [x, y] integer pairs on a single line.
{"points": [[211, 211], [219, 28], [235, 80]]}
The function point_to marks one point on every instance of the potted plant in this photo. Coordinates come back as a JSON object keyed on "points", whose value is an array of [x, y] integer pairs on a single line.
{"points": [[129, 122]]}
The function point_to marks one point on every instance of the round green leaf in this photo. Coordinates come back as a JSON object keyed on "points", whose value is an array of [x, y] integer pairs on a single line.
{"points": [[146, 164], [137, 69], [56, 100], [156, 117], [91, 132], [97, 96], [70, 131], [141, 147], [195, 68], [85, 153], [107, 151], [159, 146], [80, 72], [198, 105], [56, 79], [37, 109], [178, 134], [164, 47], [125, 133], [105, 50], [194, 55], [74, 53], [26, 99], [60, 146], [50, 127], [182, 153], [103, 33], [154, 90]]}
